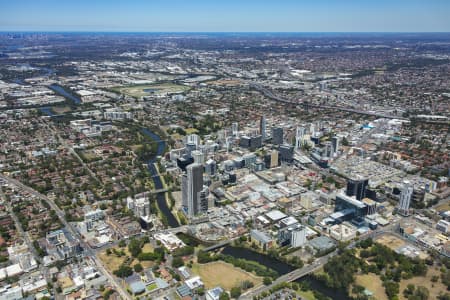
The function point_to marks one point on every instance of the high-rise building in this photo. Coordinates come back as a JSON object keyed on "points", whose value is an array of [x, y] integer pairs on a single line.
{"points": [[193, 191], [335, 143], [298, 237], [357, 188], [255, 142], [299, 135], [210, 167], [274, 159], [312, 129], [140, 205], [262, 128], [328, 150], [405, 198], [235, 128], [286, 153], [277, 135], [193, 139], [198, 156]]}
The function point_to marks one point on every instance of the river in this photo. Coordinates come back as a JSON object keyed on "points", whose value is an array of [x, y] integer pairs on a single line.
{"points": [[61, 91], [319, 286], [160, 198], [283, 268], [267, 261]]}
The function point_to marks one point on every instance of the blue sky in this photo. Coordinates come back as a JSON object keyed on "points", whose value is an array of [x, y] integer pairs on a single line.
{"points": [[226, 15]]}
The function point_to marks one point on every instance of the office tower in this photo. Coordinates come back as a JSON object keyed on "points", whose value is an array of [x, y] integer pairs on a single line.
{"points": [[298, 237], [198, 156], [312, 129], [335, 143], [299, 134], [277, 135], [193, 190], [328, 150], [189, 148], [193, 139], [286, 153], [255, 142], [210, 167], [244, 141], [262, 128], [249, 159], [357, 188], [274, 159], [235, 128], [203, 199], [184, 190], [405, 198]]}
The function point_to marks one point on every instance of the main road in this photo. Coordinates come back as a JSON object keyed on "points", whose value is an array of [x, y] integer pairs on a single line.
{"points": [[291, 276], [88, 250], [272, 96]]}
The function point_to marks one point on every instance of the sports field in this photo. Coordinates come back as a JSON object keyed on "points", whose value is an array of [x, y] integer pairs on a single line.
{"points": [[222, 274]]}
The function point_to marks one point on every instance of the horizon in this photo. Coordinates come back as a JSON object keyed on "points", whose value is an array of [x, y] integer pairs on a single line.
{"points": [[199, 16]]}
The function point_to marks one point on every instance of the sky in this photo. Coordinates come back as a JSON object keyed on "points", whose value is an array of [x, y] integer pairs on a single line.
{"points": [[226, 15]]}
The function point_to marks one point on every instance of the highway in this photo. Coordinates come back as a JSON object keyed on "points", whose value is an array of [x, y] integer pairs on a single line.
{"points": [[272, 96], [89, 252]]}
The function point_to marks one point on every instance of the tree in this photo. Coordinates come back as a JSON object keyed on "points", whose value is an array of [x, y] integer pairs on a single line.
{"points": [[200, 291], [138, 268], [177, 262], [391, 288], [123, 271], [224, 296], [135, 247], [235, 292], [267, 280], [122, 243]]}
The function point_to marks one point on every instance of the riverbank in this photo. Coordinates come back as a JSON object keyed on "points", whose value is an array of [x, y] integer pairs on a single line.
{"points": [[168, 217]]}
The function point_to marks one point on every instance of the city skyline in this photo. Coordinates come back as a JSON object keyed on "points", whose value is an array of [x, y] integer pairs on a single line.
{"points": [[231, 16]]}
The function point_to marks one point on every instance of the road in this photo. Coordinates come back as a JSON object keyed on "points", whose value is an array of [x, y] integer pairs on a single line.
{"points": [[299, 273], [292, 276], [89, 252], [73, 152], [19, 226], [272, 96]]}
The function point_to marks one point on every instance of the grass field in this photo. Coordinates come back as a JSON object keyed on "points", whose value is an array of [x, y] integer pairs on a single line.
{"points": [[433, 287], [150, 89], [222, 274], [373, 283]]}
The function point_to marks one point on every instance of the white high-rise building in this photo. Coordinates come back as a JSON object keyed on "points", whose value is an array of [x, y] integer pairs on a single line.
{"points": [[262, 128], [299, 135], [298, 237], [198, 156], [140, 205], [193, 139], [335, 143], [405, 198], [235, 128]]}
